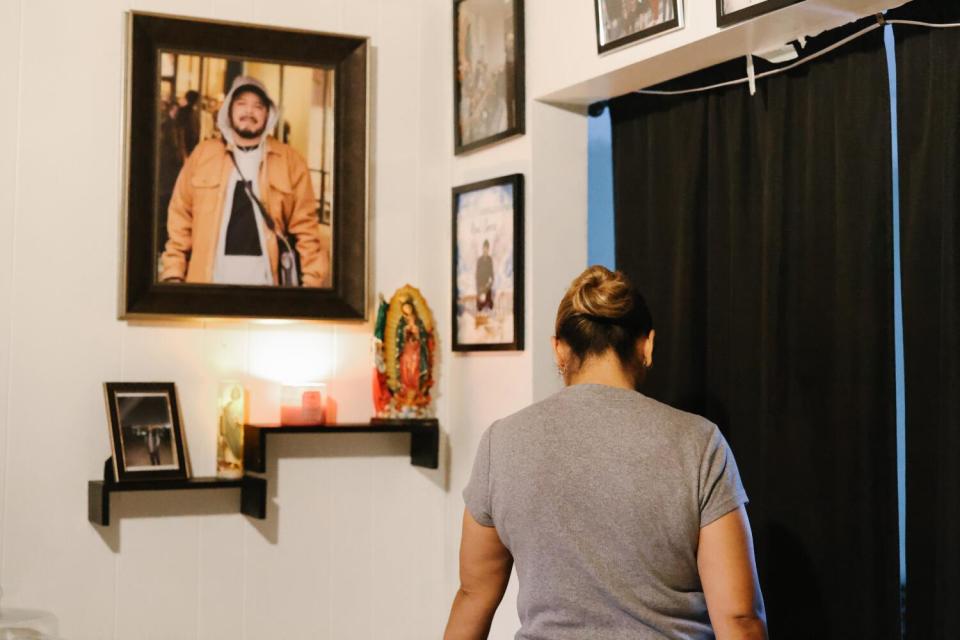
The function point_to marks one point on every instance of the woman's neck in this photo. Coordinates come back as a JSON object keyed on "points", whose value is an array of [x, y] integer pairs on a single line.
{"points": [[604, 369]]}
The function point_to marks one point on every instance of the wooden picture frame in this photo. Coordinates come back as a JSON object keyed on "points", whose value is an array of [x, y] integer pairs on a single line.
{"points": [[146, 432], [488, 77], [180, 78], [621, 22], [727, 15], [488, 282]]}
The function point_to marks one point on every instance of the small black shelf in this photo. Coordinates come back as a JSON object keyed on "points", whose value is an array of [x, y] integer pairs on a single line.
{"points": [[253, 492], [424, 439], [424, 452]]}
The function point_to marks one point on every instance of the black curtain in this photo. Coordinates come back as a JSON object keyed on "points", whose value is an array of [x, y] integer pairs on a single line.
{"points": [[759, 228], [928, 64]]}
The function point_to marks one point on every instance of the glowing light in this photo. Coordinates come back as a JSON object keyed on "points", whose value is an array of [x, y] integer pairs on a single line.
{"points": [[293, 355]]}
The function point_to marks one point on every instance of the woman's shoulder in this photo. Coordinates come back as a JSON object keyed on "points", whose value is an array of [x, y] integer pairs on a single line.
{"points": [[594, 403]]}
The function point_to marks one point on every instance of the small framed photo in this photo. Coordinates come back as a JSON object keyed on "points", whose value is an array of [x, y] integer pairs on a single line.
{"points": [[488, 265], [620, 22], [734, 11], [146, 434], [488, 72]]}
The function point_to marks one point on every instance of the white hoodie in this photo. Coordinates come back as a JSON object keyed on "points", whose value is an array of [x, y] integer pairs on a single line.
{"points": [[230, 269], [223, 116]]}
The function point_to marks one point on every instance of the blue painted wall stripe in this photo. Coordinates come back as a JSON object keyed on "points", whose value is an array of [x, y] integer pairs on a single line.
{"points": [[888, 41], [600, 247]]}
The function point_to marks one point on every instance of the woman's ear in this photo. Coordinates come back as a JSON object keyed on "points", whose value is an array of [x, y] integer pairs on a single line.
{"points": [[647, 349], [561, 353]]}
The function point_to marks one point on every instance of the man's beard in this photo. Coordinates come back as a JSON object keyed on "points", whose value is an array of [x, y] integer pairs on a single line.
{"points": [[249, 134]]}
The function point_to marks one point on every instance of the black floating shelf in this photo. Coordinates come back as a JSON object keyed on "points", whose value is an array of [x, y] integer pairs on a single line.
{"points": [[253, 492], [424, 452], [424, 439]]}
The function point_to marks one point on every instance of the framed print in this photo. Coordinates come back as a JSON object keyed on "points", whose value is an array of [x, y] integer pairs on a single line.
{"points": [[246, 172], [620, 22], [146, 435], [734, 11], [488, 93], [488, 265]]}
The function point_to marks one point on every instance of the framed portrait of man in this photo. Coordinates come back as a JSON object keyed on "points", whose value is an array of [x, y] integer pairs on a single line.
{"points": [[488, 265], [621, 22], [733, 11], [246, 181], [146, 433], [488, 72]]}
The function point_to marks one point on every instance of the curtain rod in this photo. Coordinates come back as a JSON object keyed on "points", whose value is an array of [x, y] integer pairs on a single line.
{"points": [[750, 78]]}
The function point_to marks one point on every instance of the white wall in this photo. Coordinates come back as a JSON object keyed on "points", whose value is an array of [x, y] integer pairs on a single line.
{"points": [[359, 543], [355, 544], [578, 76]]}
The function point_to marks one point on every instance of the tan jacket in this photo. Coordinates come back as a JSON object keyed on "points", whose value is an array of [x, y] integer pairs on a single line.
{"points": [[196, 210]]}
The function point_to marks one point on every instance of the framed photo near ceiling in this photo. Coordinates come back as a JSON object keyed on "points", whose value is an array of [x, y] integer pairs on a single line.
{"points": [[488, 265], [246, 171], [488, 95], [734, 11], [621, 22], [146, 433]]}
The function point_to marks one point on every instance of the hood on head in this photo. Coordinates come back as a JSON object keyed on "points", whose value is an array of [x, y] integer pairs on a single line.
{"points": [[223, 116]]}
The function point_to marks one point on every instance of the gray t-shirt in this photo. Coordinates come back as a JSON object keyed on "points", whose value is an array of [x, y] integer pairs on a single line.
{"points": [[600, 493]]}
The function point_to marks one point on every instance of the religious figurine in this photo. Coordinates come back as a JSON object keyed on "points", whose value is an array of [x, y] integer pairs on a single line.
{"points": [[230, 434], [404, 347]]}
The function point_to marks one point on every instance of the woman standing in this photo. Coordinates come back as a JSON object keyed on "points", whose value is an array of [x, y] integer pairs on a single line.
{"points": [[625, 517]]}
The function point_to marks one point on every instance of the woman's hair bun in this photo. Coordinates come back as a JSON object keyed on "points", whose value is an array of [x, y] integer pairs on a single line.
{"points": [[602, 310], [601, 293]]}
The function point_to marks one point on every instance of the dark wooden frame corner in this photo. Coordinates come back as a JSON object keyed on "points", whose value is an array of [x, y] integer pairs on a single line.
{"points": [[725, 20], [516, 180], [141, 295], [519, 80], [120, 473], [670, 25]]}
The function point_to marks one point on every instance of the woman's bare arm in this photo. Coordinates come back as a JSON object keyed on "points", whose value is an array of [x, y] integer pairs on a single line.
{"points": [[485, 566], [728, 574]]}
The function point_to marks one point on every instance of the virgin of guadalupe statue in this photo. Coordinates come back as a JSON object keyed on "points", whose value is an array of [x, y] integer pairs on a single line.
{"points": [[404, 347]]}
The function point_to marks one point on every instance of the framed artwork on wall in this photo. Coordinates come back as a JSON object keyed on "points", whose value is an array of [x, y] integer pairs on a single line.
{"points": [[734, 11], [246, 171], [146, 434], [488, 265], [621, 22], [488, 72]]}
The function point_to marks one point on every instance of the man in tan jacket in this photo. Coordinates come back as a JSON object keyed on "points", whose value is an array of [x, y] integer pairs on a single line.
{"points": [[217, 231]]}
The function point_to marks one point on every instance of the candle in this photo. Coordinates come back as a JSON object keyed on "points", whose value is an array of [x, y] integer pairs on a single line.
{"points": [[302, 404]]}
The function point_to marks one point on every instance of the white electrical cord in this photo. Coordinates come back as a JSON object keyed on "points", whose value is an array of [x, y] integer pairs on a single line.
{"points": [[880, 22], [932, 25]]}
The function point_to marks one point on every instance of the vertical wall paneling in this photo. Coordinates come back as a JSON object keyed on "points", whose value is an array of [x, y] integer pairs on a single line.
{"points": [[61, 300], [357, 543], [9, 123], [352, 524], [396, 101], [157, 584], [320, 15]]}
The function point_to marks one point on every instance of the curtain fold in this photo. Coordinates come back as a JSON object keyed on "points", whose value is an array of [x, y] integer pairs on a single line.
{"points": [[928, 62], [759, 229]]}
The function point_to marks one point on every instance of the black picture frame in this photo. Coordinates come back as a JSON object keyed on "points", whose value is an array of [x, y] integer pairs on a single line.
{"points": [[749, 13], [507, 267], [146, 431], [668, 24], [513, 78], [142, 295]]}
